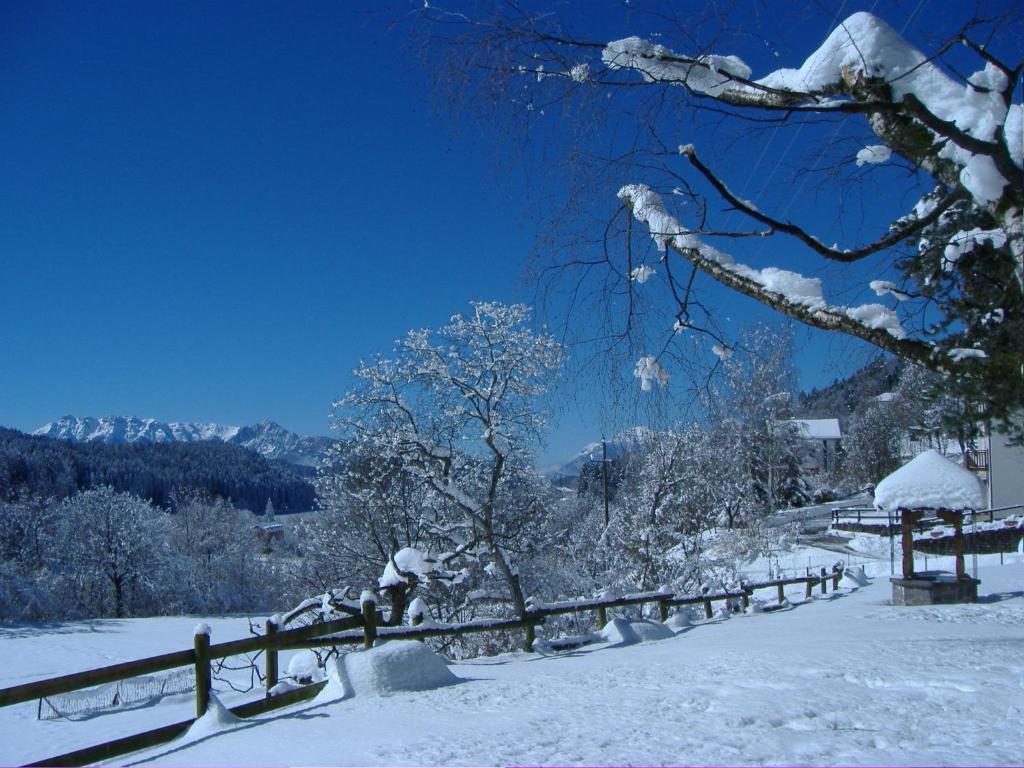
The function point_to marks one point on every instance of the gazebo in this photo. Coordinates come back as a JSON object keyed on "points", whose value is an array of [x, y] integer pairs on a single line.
{"points": [[931, 484]]}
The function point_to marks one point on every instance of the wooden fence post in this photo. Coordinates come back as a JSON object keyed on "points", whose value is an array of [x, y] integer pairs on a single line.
{"points": [[602, 618], [530, 632], [708, 613], [272, 671], [368, 600], [824, 581], [810, 586], [201, 644], [745, 599], [663, 609], [781, 590], [837, 574]]}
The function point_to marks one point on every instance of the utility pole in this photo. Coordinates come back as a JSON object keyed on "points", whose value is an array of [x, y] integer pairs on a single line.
{"points": [[604, 474]]}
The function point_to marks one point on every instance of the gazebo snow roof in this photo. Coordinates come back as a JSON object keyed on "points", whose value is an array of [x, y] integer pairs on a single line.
{"points": [[929, 481]]}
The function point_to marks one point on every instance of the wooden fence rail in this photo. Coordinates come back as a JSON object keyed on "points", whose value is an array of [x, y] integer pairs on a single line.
{"points": [[361, 628], [74, 682], [166, 733]]}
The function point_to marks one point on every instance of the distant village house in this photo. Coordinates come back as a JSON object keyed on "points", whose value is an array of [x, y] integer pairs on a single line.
{"points": [[821, 443]]}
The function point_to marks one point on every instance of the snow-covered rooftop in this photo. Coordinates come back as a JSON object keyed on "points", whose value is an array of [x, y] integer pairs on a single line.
{"points": [[818, 429], [929, 481]]}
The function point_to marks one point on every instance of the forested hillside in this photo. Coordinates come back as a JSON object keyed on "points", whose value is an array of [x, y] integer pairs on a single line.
{"points": [[846, 397], [44, 467]]}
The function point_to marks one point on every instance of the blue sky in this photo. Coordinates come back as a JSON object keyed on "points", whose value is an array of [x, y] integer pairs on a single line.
{"points": [[212, 211]]}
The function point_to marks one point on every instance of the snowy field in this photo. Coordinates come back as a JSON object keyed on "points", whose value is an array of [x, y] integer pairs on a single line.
{"points": [[843, 679]]}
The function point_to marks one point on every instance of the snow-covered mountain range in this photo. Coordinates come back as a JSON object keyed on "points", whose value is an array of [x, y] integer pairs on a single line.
{"points": [[626, 442], [266, 438]]}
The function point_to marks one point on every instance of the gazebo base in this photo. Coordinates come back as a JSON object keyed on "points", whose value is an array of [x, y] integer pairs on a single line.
{"points": [[934, 588]]}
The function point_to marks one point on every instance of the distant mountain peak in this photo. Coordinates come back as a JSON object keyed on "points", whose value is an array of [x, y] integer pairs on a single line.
{"points": [[266, 438], [625, 442]]}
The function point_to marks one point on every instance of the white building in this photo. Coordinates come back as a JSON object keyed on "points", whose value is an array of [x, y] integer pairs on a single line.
{"points": [[1005, 472], [822, 438]]}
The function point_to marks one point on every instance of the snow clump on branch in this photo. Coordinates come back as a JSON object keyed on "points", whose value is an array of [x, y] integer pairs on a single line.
{"points": [[709, 74], [409, 561], [862, 46], [649, 370], [642, 274], [873, 155]]}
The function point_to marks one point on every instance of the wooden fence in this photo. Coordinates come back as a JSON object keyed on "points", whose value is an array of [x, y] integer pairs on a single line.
{"points": [[364, 629], [846, 515], [868, 520]]}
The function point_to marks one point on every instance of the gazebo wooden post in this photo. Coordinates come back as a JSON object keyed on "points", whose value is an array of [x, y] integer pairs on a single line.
{"points": [[956, 519], [907, 519]]}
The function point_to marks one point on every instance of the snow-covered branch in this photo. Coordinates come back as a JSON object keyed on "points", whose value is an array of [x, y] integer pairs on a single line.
{"points": [[793, 294]]}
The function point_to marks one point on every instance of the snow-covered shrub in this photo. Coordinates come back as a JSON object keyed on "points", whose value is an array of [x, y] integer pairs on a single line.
{"points": [[304, 667]]}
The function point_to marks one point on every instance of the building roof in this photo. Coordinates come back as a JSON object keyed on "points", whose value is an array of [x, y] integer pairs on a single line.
{"points": [[818, 429]]}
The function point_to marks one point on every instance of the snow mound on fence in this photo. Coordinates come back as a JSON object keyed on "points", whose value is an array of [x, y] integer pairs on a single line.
{"points": [[338, 686], [394, 667], [217, 718], [651, 630], [623, 632], [619, 631], [681, 619], [854, 577]]}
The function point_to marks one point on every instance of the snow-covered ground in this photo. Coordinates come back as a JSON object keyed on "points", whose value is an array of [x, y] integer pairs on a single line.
{"points": [[844, 679]]}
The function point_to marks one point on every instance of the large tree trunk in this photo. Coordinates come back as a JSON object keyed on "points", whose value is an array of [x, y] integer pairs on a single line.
{"points": [[511, 578], [118, 583]]}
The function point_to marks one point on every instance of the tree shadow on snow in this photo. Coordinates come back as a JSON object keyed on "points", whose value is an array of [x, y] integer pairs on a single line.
{"points": [[306, 713], [175, 747], [91, 626], [998, 597]]}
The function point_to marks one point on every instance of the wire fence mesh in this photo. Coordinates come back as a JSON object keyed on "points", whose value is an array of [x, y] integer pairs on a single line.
{"points": [[123, 693]]}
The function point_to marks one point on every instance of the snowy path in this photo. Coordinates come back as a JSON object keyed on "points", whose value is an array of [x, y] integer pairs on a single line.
{"points": [[842, 680]]}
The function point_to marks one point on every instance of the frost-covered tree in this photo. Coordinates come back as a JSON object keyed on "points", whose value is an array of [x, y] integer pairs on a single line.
{"points": [[24, 577], [931, 414], [371, 509], [919, 413], [750, 415], [722, 476], [457, 409], [871, 447], [663, 506], [212, 554], [934, 135], [108, 548]]}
